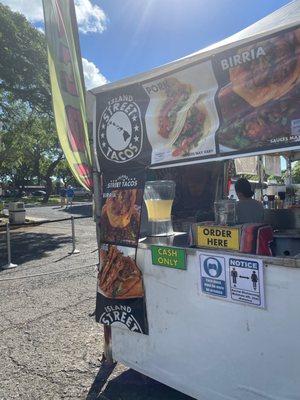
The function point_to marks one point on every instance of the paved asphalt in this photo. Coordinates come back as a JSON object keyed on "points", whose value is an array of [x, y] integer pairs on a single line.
{"points": [[50, 345]]}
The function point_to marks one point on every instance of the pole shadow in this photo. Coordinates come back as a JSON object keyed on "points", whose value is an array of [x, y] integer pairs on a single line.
{"points": [[85, 210], [103, 375], [28, 246]]}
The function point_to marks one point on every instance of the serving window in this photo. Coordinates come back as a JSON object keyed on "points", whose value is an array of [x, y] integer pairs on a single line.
{"points": [[199, 186]]}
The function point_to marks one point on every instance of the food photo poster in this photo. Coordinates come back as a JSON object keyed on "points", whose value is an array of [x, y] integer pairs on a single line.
{"points": [[259, 95]]}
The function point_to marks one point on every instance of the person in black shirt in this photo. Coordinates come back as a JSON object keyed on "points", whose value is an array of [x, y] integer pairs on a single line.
{"points": [[248, 210]]}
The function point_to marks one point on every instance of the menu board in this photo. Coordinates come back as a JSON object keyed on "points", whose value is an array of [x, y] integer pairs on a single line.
{"points": [[239, 101], [181, 119], [259, 95], [120, 294], [122, 198]]}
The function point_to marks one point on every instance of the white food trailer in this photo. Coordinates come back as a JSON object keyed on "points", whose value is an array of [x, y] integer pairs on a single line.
{"points": [[206, 337]]}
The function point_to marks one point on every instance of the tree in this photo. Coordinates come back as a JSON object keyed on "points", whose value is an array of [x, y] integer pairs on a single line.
{"points": [[296, 172], [29, 146], [30, 143], [23, 66], [64, 174]]}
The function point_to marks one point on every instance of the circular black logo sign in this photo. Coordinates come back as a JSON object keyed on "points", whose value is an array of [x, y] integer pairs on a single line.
{"points": [[120, 131], [213, 267]]}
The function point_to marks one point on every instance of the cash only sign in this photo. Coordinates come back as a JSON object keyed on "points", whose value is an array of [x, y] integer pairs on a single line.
{"points": [[171, 257]]}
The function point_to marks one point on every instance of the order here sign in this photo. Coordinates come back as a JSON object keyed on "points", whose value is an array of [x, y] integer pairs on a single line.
{"points": [[218, 237]]}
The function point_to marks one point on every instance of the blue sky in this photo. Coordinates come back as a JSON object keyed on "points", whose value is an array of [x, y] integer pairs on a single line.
{"points": [[142, 34], [120, 38]]}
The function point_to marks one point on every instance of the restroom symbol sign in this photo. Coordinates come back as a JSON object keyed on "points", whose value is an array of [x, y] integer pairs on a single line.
{"points": [[245, 278], [213, 275]]}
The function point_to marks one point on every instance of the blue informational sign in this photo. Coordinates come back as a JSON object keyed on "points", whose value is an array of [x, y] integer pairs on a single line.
{"points": [[236, 279], [245, 277], [213, 276]]}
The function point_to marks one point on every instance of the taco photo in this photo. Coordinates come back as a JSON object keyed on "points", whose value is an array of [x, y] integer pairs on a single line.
{"points": [[182, 117], [272, 71], [120, 216], [260, 102], [172, 108], [263, 125], [195, 128], [119, 276]]}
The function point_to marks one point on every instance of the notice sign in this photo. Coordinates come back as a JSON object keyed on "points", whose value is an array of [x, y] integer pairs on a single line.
{"points": [[218, 237], [246, 278], [168, 257], [236, 279]]}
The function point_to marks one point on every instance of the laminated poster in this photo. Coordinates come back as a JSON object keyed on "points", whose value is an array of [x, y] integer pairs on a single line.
{"points": [[181, 119], [259, 96], [120, 294], [243, 100], [121, 208]]}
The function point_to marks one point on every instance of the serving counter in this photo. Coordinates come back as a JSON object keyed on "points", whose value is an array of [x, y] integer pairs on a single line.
{"points": [[210, 348]]}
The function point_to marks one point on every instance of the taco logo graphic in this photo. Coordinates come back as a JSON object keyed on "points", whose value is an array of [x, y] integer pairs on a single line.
{"points": [[120, 131]]}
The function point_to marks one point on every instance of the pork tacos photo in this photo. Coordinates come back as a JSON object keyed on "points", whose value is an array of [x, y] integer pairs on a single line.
{"points": [[182, 117], [174, 103], [119, 277], [167, 112], [195, 128]]}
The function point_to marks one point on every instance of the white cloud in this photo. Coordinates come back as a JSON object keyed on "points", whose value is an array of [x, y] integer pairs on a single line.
{"points": [[92, 75], [90, 17], [39, 28], [33, 9]]}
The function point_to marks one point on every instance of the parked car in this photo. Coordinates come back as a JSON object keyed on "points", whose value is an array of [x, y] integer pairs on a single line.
{"points": [[81, 192], [13, 193], [39, 193]]}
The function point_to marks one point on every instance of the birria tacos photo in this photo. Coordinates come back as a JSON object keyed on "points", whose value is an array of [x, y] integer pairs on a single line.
{"points": [[270, 68], [270, 123], [120, 217], [119, 207], [119, 277]]}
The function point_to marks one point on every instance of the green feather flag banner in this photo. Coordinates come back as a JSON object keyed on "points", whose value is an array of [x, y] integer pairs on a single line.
{"points": [[67, 86]]}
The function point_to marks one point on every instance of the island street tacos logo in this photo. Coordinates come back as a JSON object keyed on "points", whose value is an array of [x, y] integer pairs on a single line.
{"points": [[120, 131], [120, 314], [125, 314]]}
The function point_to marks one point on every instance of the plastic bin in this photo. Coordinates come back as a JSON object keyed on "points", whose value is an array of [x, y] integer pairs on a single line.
{"points": [[16, 213]]}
